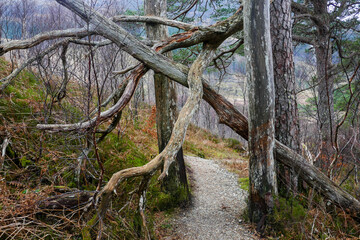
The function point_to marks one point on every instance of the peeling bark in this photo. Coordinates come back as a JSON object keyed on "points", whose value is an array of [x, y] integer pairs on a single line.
{"points": [[260, 78]]}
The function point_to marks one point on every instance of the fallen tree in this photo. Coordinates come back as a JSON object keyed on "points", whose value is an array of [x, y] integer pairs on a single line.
{"points": [[227, 113]]}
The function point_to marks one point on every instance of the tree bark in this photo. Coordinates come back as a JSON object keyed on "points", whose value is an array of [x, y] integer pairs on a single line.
{"points": [[66, 201], [261, 97], [166, 112], [286, 112], [323, 55]]}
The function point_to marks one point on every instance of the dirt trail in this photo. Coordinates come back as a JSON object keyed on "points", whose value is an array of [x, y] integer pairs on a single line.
{"points": [[216, 206]]}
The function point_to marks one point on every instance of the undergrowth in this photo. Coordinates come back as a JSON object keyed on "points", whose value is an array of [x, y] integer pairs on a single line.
{"points": [[39, 165], [310, 217]]}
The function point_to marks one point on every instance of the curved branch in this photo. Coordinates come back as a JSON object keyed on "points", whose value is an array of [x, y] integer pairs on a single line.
{"points": [[186, 10], [31, 42], [298, 8], [231, 50], [94, 44], [178, 134], [125, 70], [62, 91]]}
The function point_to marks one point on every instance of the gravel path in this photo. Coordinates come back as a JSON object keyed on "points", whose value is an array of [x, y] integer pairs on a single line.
{"points": [[216, 205]]}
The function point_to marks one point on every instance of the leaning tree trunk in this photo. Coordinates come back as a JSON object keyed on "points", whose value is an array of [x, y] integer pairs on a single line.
{"points": [[286, 113], [166, 113], [261, 110]]}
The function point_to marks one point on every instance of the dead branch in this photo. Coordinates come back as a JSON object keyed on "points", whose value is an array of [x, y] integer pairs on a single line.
{"points": [[67, 201], [163, 21], [4, 145], [107, 42], [125, 70], [62, 91], [31, 42]]}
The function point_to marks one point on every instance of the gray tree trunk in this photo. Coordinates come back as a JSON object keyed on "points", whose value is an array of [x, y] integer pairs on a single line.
{"points": [[260, 79], [286, 112], [326, 83], [166, 113]]}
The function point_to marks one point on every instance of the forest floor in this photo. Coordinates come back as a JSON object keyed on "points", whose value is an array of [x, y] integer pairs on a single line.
{"points": [[217, 205]]}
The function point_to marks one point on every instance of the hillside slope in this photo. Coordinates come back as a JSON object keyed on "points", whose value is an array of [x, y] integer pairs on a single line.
{"points": [[38, 165]]}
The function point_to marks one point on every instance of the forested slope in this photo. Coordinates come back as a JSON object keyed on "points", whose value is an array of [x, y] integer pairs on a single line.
{"points": [[39, 167]]}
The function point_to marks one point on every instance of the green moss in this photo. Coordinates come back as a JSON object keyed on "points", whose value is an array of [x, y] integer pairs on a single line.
{"points": [[287, 215], [168, 202], [86, 235], [127, 154], [25, 162], [234, 144], [191, 147], [244, 183]]}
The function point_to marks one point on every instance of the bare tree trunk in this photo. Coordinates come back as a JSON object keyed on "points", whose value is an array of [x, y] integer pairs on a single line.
{"points": [[286, 113], [323, 54], [260, 78], [166, 113]]}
